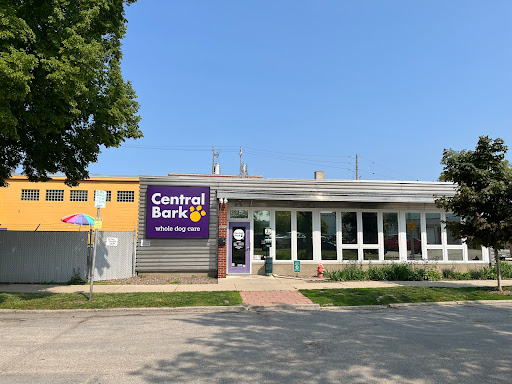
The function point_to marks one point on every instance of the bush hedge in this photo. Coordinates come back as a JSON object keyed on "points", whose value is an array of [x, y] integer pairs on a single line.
{"points": [[414, 272]]}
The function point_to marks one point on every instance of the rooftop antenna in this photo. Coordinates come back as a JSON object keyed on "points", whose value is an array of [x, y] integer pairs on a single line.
{"points": [[243, 166], [215, 165]]}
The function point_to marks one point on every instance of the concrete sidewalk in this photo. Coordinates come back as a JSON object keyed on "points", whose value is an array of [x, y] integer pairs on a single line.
{"points": [[252, 283]]}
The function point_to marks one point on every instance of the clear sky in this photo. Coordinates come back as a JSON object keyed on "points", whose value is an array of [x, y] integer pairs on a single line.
{"points": [[305, 85]]}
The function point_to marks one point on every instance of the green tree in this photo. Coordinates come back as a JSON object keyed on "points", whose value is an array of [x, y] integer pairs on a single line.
{"points": [[483, 197], [62, 95]]}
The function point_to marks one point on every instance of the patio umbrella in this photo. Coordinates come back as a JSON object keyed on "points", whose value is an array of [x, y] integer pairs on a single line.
{"points": [[78, 219]]}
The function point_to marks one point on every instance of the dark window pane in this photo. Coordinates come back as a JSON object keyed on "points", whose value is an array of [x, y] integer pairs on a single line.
{"points": [[433, 228], [283, 235], [349, 227], [391, 244], [452, 240], [328, 233], [349, 254], [261, 220], [370, 232], [304, 236], [413, 231]]}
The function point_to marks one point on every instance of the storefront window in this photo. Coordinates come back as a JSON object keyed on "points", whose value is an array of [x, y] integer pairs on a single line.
{"points": [[455, 255], [328, 233], [370, 232], [283, 235], [261, 220], [304, 236], [391, 244], [239, 214], [452, 240], [413, 232], [435, 254], [433, 228], [349, 254], [474, 252], [370, 254], [349, 227]]}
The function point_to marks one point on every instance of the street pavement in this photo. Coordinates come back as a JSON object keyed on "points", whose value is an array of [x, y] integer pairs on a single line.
{"points": [[423, 344]]}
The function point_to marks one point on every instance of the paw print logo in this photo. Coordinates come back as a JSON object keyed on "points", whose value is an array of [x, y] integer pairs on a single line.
{"points": [[196, 214]]}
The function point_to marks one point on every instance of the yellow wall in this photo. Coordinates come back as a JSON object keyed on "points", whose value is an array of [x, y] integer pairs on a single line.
{"points": [[19, 215]]}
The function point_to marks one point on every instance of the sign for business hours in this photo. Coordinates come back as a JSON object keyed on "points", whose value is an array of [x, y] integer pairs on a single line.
{"points": [[177, 212], [100, 199]]}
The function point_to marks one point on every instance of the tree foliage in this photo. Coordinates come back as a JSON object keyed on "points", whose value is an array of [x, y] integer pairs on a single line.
{"points": [[483, 197], [62, 94]]}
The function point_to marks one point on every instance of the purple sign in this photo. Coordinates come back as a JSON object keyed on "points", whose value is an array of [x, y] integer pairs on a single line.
{"points": [[178, 212]]}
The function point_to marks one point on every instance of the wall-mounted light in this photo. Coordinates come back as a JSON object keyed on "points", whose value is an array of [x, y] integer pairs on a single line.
{"points": [[223, 200]]}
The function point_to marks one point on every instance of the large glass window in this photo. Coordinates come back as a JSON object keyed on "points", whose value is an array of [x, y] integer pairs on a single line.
{"points": [[413, 233], [452, 240], [455, 255], [391, 244], [349, 254], [261, 220], [435, 254], [433, 228], [283, 235], [328, 233], [304, 235], [239, 214], [349, 227], [474, 252], [370, 232]]}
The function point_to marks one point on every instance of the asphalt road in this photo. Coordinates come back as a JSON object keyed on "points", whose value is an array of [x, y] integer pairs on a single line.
{"points": [[422, 344]]}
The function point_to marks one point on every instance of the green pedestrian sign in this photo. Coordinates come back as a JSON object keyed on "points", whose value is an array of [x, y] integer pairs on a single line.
{"points": [[296, 266]]}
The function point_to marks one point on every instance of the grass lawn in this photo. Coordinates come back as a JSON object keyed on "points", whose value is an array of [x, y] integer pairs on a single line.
{"points": [[377, 296], [116, 300]]}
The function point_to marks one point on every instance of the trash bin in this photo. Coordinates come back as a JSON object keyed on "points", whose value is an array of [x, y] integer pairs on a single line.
{"points": [[268, 265]]}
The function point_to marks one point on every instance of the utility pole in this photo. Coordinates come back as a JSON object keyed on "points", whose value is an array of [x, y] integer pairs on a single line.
{"points": [[357, 166], [243, 167], [240, 161], [213, 159]]}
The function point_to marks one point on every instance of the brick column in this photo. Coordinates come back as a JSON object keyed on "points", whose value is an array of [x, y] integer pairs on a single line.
{"points": [[222, 251]]}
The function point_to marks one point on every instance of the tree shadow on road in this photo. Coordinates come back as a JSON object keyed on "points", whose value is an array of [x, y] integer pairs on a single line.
{"points": [[413, 344]]}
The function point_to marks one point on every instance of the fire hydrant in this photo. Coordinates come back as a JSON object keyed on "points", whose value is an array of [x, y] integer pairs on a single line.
{"points": [[320, 271]]}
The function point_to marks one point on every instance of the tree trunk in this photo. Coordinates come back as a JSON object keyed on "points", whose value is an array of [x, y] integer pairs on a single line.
{"points": [[498, 271]]}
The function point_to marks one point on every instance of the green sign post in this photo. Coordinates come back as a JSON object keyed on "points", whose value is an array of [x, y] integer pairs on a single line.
{"points": [[296, 266]]}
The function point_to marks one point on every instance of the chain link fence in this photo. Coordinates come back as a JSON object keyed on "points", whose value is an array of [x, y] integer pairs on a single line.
{"points": [[57, 257]]}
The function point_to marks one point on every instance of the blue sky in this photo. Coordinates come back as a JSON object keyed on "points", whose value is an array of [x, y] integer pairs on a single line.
{"points": [[305, 85]]}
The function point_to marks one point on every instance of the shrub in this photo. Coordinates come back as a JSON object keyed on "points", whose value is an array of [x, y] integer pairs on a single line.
{"points": [[351, 272], [76, 279]]}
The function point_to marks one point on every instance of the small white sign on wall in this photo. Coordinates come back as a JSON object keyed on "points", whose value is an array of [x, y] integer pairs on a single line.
{"points": [[112, 241]]}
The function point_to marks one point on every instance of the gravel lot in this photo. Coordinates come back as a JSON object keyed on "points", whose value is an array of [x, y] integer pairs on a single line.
{"points": [[162, 280]]}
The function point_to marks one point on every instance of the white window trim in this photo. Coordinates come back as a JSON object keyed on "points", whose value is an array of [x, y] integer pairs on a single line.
{"points": [[317, 242]]}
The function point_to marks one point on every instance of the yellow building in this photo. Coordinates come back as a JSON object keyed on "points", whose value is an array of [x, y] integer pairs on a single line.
{"points": [[27, 206]]}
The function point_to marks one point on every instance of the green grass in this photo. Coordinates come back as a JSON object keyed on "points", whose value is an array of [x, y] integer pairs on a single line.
{"points": [[378, 296], [116, 300]]}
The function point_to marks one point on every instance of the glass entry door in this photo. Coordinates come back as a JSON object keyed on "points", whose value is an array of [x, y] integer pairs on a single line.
{"points": [[239, 248]]}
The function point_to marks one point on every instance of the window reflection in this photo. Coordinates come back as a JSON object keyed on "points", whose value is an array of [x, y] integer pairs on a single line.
{"points": [[391, 244], [304, 235], [283, 235], [349, 227], [413, 235], [433, 228], [451, 239], [261, 220], [328, 235], [370, 232]]}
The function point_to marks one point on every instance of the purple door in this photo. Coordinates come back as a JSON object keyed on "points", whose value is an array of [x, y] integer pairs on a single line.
{"points": [[239, 248]]}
